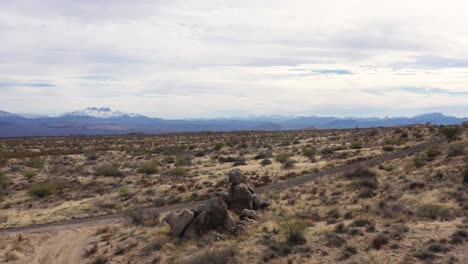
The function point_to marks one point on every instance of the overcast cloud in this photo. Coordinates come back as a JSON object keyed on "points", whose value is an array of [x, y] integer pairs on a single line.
{"points": [[224, 58]]}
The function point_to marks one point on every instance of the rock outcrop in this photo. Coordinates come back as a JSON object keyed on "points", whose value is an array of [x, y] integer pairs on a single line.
{"points": [[214, 215]]}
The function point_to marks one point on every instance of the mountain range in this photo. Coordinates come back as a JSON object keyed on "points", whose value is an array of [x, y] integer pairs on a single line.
{"points": [[104, 121]]}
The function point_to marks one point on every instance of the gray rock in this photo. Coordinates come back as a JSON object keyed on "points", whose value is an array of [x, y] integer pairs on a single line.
{"points": [[241, 197], [179, 220], [236, 177], [212, 216], [246, 213]]}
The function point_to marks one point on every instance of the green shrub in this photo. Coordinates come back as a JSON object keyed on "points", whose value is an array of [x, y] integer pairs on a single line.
{"points": [[419, 161], [451, 132], [432, 151], [36, 163], [308, 152], [283, 157], [148, 168], [108, 171], [41, 190], [356, 145], [294, 232], [124, 192], [183, 162], [178, 171], [30, 174], [3, 181], [433, 211], [388, 148]]}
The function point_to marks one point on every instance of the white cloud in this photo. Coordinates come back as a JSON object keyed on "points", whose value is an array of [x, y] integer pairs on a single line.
{"points": [[203, 58]]}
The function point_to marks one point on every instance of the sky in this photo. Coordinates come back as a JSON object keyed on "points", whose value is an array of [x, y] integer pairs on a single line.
{"points": [[207, 58]]}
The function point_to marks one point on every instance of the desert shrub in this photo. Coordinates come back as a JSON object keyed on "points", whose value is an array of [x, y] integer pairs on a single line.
{"points": [[326, 151], [101, 259], [451, 132], [283, 157], [226, 159], [432, 151], [35, 162], [41, 190], [148, 168], [360, 223], [289, 164], [214, 255], [178, 171], [379, 240], [11, 256], [340, 228], [388, 148], [183, 162], [265, 162], [169, 159], [361, 173], [465, 173], [140, 216], [356, 145], [459, 236], [294, 232], [3, 182], [456, 150], [348, 251], [334, 240], [124, 192], [30, 174], [239, 162], [437, 247], [433, 211], [308, 152], [419, 161], [91, 156], [108, 171]]}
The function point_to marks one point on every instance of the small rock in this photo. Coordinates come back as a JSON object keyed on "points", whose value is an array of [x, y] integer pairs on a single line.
{"points": [[246, 213]]}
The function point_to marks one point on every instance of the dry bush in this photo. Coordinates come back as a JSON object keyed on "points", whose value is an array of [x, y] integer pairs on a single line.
{"points": [[433, 211], [41, 190], [379, 240], [294, 232], [108, 171], [178, 171], [283, 157], [35, 162], [148, 168], [140, 216], [455, 150], [432, 151], [214, 255]]}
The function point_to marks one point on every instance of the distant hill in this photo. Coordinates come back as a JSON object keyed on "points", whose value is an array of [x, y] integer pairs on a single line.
{"points": [[104, 121]]}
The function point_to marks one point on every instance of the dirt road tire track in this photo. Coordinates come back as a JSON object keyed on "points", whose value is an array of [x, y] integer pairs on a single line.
{"points": [[111, 219]]}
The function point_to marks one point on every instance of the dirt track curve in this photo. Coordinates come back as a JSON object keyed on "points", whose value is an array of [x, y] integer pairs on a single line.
{"points": [[114, 218]]}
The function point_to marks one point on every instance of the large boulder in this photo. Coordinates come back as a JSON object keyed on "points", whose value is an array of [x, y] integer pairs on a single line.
{"points": [[236, 177], [241, 197], [179, 220], [214, 215]]}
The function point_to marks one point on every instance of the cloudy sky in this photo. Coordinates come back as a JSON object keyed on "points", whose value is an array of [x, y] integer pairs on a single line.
{"points": [[235, 58]]}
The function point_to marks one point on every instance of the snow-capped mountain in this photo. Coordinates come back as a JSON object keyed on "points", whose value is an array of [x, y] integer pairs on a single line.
{"points": [[6, 114], [101, 112]]}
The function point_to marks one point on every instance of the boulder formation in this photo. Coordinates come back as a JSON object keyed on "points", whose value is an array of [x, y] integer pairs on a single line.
{"points": [[215, 214]]}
